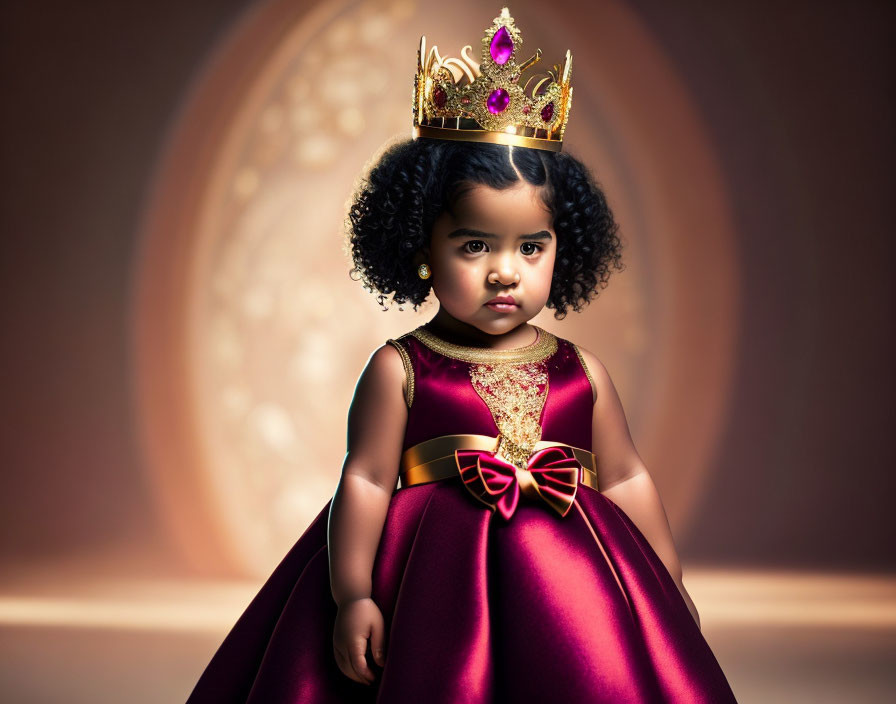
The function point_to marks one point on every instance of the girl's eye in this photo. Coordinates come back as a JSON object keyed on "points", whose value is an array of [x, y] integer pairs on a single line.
{"points": [[476, 246]]}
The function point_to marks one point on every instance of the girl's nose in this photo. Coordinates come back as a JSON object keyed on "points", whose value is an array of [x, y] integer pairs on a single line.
{"points": [[504, 276]]}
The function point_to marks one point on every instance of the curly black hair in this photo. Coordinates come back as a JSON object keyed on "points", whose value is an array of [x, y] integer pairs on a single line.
{"points": [[394, 206]]}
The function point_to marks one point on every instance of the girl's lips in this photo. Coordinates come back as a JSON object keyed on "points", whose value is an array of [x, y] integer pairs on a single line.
{"points": [[503, 307]]}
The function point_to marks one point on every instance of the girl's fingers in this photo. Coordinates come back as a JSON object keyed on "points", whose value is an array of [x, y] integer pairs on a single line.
{"points": [[359, 661], [345, 666], [377, 635]]}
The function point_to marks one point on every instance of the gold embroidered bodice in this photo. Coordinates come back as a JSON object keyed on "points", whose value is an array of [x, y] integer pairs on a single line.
{"points": [[513, 384]]}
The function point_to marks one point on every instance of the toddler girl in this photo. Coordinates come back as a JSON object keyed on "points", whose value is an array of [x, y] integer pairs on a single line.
{"points": [[525, 555]]}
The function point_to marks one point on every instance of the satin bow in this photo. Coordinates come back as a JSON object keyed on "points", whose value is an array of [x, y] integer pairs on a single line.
{"points": [[551, 473]]}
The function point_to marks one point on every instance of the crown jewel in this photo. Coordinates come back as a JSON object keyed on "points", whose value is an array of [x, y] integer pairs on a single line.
{"points": [[491, 106]]}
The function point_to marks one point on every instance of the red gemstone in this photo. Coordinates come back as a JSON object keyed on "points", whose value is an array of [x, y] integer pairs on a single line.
{"points": [[502, 46], [547, 112], [527, 109], [439, 97]]}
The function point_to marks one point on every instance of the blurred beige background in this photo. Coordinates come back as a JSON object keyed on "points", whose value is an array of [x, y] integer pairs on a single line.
{"points": [[181, 336]]}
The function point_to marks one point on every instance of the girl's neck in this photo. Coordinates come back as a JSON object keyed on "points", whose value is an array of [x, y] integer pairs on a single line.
{"points": [[450, 329]]}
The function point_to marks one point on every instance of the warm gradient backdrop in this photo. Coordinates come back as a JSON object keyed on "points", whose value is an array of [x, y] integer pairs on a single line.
{"points": [[178, 319]]}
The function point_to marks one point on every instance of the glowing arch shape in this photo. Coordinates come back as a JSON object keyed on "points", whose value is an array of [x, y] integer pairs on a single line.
{"points": [[246, 317]]}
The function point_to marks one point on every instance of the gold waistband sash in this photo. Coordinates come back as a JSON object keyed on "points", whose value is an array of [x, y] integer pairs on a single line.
{"points": [[433, 459]]}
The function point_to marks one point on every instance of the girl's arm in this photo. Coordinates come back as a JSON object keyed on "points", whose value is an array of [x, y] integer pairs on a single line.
{"points": [[376, 424], [623, 478]]}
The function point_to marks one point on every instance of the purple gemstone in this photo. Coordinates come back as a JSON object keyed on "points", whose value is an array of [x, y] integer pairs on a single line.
{"points": [[502, 46], [547, 112], [498, 100]]}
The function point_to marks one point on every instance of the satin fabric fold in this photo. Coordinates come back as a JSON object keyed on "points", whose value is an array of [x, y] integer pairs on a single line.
{"points": [[479, 610]]}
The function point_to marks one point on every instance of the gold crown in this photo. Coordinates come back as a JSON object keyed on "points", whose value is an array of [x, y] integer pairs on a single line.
{"points": [[491, 106]]}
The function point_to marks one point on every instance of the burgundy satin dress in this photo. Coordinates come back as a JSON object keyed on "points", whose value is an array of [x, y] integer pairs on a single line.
{"points": [[479, 608]]}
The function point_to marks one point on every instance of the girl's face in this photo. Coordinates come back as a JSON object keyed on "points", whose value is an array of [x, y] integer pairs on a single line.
{"points": [[497, 244]]}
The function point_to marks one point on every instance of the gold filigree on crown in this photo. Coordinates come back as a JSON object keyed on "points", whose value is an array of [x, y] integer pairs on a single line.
{"points": [[491, 106]]}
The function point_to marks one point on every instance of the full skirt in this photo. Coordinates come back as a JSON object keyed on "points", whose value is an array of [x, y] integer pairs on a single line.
{"points": [[478, 609]]}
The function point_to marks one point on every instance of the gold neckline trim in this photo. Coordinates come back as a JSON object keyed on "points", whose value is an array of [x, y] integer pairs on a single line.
{"points": [[544, 346]]}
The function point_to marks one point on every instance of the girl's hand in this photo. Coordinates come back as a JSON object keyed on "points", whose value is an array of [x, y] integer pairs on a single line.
{"points": [[356, 621]]}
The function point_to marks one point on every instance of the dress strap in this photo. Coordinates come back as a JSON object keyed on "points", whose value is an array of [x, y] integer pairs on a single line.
{"points": [[408, 369], [587, 373]]}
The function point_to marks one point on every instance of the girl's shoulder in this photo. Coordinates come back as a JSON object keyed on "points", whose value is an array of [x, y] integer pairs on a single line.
{"points": [[400, 360], [385, 370], [390, 366], [595, 370]]}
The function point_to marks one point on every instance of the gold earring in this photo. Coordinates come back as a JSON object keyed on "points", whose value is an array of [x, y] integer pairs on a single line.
{"points": [[423, 271]]}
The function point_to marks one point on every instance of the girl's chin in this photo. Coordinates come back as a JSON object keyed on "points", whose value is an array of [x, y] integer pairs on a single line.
{"points": [[500, 324], [493, 322]]}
